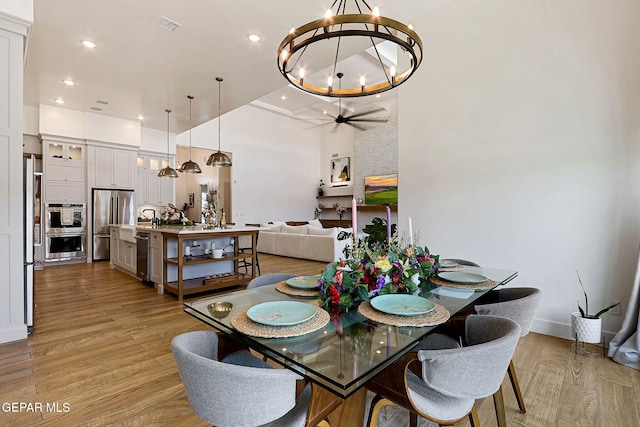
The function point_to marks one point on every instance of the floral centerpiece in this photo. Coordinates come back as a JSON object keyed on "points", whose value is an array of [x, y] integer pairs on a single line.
{"points": [[340, 210], [374, 268], [209, 210]]}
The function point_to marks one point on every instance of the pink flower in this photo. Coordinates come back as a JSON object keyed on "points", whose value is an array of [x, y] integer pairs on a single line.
{"points": [[338, 277]]}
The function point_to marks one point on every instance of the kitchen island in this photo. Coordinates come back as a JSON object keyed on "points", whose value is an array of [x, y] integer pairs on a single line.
{"points": [[182, 260]]}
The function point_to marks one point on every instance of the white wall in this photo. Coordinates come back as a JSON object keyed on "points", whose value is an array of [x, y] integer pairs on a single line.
{"points": [[275, 163], [518, 145]]}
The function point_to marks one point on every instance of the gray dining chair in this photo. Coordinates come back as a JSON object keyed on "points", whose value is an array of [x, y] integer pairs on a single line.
{"points": [[444, 388], [520, 305], [239, 390], [269, 279]]}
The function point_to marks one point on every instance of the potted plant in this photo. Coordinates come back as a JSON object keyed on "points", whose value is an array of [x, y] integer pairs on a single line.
{"points": [[584, 326]]}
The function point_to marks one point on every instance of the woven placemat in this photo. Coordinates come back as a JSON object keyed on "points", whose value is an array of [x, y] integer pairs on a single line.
{"points": [[290, 290], [243, 324], [454, 268], [435, 317], [487, 284]]}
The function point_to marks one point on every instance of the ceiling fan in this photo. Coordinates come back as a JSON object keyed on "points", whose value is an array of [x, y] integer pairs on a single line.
{"points": [[355, 119]]}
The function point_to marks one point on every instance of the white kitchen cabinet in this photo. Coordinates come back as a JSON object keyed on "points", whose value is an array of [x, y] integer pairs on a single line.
{"points": [[150, 188], [122, 252], [114, 247], [112, 167], [155, 258], [63, 170], [64, 192]]}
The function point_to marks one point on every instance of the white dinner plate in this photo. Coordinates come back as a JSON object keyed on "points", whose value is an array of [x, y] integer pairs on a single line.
{"points": [[447, 263]]}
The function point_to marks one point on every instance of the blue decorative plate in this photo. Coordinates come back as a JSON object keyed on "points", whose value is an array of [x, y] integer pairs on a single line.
{"points": [[281, 313], [303, 282], [462, 277], [447, 263], [402, 304]]}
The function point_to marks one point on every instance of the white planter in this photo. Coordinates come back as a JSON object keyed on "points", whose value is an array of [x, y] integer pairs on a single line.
{"points": [[587, 330]]}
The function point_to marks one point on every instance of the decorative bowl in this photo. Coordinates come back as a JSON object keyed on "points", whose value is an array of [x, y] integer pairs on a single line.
{"points": [[220, 309]]}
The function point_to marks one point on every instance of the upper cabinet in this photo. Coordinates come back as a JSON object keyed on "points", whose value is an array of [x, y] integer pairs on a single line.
{"points": [[151, 189], [111, 167], [63, 170]]}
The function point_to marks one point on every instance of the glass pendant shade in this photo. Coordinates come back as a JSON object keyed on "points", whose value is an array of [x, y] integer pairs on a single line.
{"points": [[219, 159], [168, 171], [190, 166]]}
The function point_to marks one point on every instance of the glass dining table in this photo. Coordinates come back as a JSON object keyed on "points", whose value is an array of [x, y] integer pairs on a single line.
{"points": [[342, 356]]}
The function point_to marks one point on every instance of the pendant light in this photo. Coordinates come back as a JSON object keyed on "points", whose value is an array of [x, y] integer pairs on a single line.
{"points": [[189, 166], [219, 159], [168, 171]]}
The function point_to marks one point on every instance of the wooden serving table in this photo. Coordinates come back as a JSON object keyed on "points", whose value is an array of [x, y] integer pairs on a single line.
{"points": [[186, 275]]}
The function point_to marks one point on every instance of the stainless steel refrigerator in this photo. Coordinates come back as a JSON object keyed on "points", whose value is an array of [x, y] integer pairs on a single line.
{"points": [[110, 207], [29, 184]]}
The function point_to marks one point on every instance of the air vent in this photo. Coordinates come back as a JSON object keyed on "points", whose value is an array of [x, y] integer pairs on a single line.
{"points": [[168, 24], [102, 102], [96, 108]]}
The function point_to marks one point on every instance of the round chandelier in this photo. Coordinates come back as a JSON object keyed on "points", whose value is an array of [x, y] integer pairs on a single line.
{"points": [[360, 30]]}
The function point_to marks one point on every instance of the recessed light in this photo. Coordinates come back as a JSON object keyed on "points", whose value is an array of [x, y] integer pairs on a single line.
{"points": [[60, 100], [254, 38], [283, 97], [378, 96], [89, 44], [69, 82], [140, 117], [324, 112]]}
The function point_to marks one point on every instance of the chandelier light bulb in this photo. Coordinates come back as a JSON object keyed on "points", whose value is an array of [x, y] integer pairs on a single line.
{"points": [[411, 27], [375, 11], [330, 81], [284, 54], [292, 30], [362, 80], [392, 71], [328, 14]]}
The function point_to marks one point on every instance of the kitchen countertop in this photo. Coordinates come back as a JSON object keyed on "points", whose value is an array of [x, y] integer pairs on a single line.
{"points": [[192, 229]]}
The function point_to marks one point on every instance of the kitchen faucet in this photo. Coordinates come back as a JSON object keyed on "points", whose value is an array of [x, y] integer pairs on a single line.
{"points": [[154, 221]]}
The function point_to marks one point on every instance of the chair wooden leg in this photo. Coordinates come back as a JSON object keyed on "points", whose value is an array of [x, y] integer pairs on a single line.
{"points": [[516, 387], [498, 402], [413, 419], [474, 420], [377, 404]]}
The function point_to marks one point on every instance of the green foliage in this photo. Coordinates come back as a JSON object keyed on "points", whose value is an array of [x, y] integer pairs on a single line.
{"points": [[585, 313]]}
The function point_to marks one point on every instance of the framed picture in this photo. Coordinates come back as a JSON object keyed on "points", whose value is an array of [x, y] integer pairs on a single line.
{"points": [[192, 199], [340, 170]]}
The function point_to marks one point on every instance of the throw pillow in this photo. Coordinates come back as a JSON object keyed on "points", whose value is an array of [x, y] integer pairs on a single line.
{"points": [[315, 223], [295, 229]]}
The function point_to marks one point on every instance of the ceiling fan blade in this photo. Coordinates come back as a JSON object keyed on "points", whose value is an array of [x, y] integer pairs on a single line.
{"points": [[349, 120], [364, 113], [357, 126]]}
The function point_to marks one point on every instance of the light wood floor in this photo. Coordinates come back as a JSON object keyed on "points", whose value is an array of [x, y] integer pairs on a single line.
{"points": [[100, 352]]}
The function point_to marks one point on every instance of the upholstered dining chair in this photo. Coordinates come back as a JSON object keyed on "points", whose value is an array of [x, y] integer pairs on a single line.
{"points": [[240, 389], [444, 390], [269, 279], [519, 304]]}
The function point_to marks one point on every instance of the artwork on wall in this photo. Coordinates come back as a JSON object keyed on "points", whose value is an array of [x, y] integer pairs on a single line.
{"points": [[192, 199], [381, 189], [340, 171]]}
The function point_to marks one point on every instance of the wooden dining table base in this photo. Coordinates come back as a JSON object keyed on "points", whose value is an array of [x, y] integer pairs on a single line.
{"points": [[338, 411]]}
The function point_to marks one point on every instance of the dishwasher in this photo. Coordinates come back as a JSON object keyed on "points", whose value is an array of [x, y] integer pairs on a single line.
{"points": [[142, 255]]}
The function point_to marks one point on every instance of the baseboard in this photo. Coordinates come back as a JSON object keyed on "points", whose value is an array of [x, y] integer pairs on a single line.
{"points": [[10, 333], [561, 330]]}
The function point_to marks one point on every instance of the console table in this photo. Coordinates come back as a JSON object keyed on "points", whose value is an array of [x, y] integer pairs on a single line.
{"points": [[186, 275]]}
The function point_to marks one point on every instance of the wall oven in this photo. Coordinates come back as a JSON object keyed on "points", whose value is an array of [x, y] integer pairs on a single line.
{"points": [[65, 230], [66, 218], [66, 247]]}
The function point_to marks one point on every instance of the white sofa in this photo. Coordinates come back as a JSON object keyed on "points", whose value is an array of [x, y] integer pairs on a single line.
{"points": [[302, 241]]}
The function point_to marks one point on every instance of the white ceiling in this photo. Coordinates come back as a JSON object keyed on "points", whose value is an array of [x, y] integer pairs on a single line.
{"points": [[140, 68]]}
